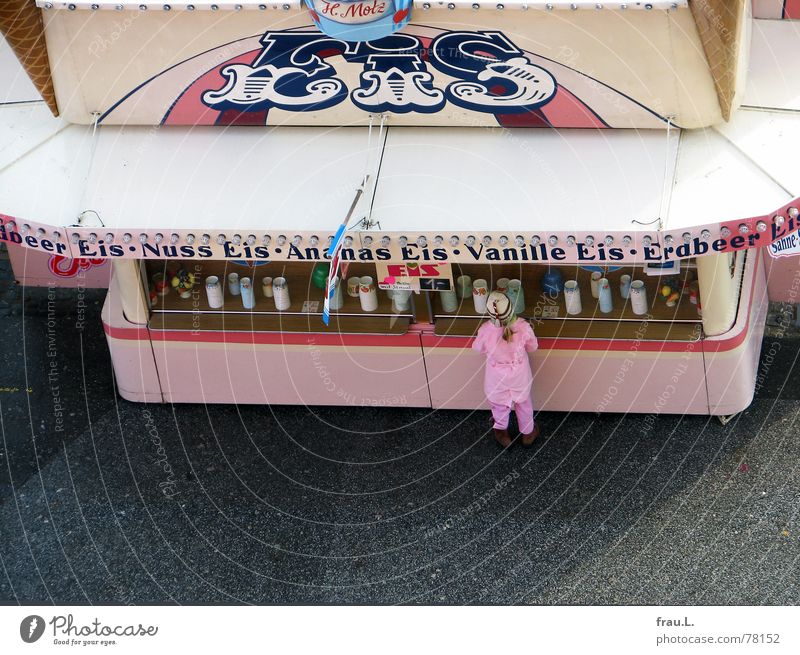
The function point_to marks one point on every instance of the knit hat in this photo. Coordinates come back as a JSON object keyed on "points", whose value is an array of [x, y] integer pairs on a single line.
{"points": [[501, 309]]}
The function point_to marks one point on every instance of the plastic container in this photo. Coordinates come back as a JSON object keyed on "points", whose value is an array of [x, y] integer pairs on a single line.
{"points": [[606, 301], [463, 286], [216, 297], [596, 277], [449, 301], [401, 300], [480, 294], [248, 293], [516, 295], [368, 294], [319, 277], [572, 297], [352, 286], [233, 284], [553, 282], [280, 289], [337, 300], [625, 286], [638, 298], [266, 287]]}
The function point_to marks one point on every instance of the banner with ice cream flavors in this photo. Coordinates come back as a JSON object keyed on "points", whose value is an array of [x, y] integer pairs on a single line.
{"points": [[777, 229]]}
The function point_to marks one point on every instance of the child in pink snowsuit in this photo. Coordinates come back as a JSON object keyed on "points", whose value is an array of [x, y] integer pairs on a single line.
{"points": [[506, 342]]}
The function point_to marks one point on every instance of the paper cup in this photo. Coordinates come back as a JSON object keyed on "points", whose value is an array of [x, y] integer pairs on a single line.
{"points": [[280, 289], [625, 286], [464, 286], [517, 295], [248, 293], [638, 298], [266, 287], [337, 301], [595, 280], [368, 294], [214, 292], [401, 300], [352, 286], [233, 284], [480, 294], [502, 285], [572, 297], [449, 301], [604, 290]]}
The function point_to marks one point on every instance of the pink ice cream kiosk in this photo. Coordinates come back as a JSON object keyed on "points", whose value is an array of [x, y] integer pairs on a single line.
{"points": [[635, 194]]}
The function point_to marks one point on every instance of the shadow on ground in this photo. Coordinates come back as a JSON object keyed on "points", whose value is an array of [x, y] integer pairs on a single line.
{"points": [[222, 504]]}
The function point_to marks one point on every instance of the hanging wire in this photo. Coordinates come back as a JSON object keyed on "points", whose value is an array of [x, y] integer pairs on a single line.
{"points": [[372, 168], [368, 161], [379, 156], [665, 182], [83, 213], [79, 222]]}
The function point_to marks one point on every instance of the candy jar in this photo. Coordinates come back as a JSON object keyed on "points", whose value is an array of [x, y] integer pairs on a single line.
{"points": [[182, 282]]}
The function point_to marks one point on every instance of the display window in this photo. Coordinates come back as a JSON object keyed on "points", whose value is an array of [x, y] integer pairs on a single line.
{"points": [[279, 296], [578, 302]]}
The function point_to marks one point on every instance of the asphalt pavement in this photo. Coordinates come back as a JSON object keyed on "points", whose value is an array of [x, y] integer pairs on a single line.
{"points": [[106, 501]]}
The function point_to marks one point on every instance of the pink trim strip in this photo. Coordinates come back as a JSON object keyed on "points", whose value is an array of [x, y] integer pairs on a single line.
{"points": [[410, 339], [602, 345], [275, 338]]}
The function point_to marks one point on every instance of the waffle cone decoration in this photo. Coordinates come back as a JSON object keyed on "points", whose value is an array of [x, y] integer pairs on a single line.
{"points": [[718, 23], [21, 24]]}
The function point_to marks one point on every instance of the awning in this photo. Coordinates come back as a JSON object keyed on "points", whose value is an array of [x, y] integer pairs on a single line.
{"points": [[529, 186], [277, 193]]}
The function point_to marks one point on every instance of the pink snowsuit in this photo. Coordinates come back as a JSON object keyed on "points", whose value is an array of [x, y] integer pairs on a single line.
{"points": [[508, 377]]}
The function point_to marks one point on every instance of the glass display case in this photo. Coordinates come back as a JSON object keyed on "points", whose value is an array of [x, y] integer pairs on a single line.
{"points": [[669, 302], [296, 307]]}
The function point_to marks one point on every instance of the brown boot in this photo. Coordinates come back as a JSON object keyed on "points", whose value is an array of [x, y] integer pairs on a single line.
{"points": [[528, 439], [502, 438]]}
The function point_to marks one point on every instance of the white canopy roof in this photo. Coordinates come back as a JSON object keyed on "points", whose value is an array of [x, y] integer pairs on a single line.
{"points": [[15, 85], [773, 80], [426, 179], [521, 180], [429, 178]]}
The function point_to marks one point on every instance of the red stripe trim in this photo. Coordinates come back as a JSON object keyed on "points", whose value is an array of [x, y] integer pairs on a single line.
{"points": [[712, 346], [277, 338], [126, 333], [289, 338], [400, 341], [545, 343]]}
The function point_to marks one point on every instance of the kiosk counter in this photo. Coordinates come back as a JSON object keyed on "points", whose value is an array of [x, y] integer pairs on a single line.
{"points": [[294, 217]]}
